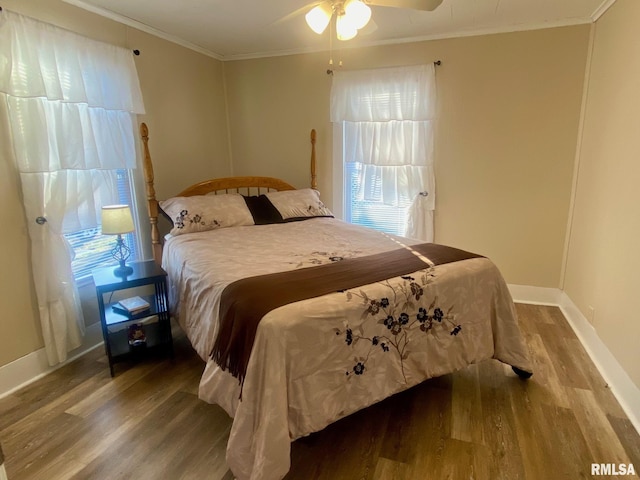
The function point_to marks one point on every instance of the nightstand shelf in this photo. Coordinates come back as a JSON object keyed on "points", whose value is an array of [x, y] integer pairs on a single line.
{"points": [[115, 331], [113, 318], [120, 348]]}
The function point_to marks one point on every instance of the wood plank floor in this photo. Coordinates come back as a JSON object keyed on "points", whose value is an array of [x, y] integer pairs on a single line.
{"points": [[479, 423]]}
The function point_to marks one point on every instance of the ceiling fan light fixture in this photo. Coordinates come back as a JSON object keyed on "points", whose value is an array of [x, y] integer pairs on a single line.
{"points": [[345, 30], [357, 13], [318, 17]]}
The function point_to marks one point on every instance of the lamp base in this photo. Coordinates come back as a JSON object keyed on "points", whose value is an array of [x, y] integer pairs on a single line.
{"points": [[122, 271], [121, 252]]}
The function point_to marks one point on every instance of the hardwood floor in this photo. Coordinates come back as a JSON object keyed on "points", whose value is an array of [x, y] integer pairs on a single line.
{"points": [[479, 423]]}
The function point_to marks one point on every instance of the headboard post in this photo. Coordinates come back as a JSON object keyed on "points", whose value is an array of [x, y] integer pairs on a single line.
{"points": [[152, 203], [314, 184]]}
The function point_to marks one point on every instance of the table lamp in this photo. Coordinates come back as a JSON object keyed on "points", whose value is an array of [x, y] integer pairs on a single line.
{"points": [[116, 220]]}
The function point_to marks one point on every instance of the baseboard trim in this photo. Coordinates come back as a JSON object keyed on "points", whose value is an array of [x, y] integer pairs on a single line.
{"points": [[31, 367], [535, 295], [622, 387]]}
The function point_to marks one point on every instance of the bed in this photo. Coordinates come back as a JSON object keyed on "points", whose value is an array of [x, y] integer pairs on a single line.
{"points": [[303, 319]]}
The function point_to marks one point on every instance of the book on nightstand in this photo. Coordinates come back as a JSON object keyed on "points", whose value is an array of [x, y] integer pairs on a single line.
{"points": [[131, 306]]}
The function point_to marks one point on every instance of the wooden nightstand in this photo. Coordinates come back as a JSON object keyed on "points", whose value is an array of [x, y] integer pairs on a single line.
{"points": [[115, 325]]}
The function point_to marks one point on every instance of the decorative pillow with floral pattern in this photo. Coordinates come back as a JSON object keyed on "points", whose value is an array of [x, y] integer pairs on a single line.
{"points": [[206, 212], [297, 204]]}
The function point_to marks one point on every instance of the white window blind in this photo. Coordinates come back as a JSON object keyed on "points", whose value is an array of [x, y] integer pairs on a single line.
{"points": [[91, 248], [371, 213]]}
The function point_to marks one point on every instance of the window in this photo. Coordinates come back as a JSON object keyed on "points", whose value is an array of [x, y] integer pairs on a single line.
{"points": [[384, 122], [91, 248]]}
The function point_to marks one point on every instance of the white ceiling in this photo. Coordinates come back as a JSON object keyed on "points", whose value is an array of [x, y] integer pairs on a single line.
{"points": [[234, 29]]}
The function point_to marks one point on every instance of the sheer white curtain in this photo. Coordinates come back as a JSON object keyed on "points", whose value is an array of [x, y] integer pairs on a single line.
{"points": [[3, 472], [389, 118], [71, 104]]}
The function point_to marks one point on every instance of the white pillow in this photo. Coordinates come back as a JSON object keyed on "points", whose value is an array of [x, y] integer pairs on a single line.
{"points": [[299, 203], [206, 212]]}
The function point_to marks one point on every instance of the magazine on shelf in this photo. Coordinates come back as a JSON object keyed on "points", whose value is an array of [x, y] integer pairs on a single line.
{"points": [[132, 306]]}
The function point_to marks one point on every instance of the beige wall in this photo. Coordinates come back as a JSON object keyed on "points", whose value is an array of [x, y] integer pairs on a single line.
{"points": [[505, 143], [19, 327], [603, 261], [184, 99]]}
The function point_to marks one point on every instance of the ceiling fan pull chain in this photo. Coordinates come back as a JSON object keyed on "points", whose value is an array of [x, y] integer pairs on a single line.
{"points": [[330, 69]]}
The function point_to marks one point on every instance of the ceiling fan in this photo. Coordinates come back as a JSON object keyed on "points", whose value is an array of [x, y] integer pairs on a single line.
{"points": [[353, 15]]}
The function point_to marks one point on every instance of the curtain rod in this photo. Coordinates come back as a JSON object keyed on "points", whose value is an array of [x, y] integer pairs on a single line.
{"points": [[436, 63]]}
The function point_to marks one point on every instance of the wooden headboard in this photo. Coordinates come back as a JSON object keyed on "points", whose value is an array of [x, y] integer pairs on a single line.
{"points": [[245, 185]]}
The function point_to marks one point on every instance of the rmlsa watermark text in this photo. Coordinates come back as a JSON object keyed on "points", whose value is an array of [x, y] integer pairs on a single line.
{"points": [[612, 469]]}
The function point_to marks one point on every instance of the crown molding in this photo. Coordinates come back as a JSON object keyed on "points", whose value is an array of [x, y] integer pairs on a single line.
{"points": [[422, 38], [299, 51], [143, 27], [606, 4]]}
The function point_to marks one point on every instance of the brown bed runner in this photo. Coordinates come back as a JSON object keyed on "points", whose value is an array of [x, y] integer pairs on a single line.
{"points": [[244, 302]]}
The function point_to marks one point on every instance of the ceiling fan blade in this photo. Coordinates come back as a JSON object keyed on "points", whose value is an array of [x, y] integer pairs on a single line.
{"points": [[426, 5], [369, 28], [299, 11]]}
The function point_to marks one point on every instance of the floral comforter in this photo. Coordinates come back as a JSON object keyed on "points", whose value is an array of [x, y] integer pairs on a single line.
{"points": [[318, 360]]}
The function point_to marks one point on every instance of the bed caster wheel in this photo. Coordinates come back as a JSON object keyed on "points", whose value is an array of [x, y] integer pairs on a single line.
{"points": [[521, 373]]}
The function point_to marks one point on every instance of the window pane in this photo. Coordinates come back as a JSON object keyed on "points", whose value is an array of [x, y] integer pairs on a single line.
{"points": [[372, 214], [92, 249]]}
